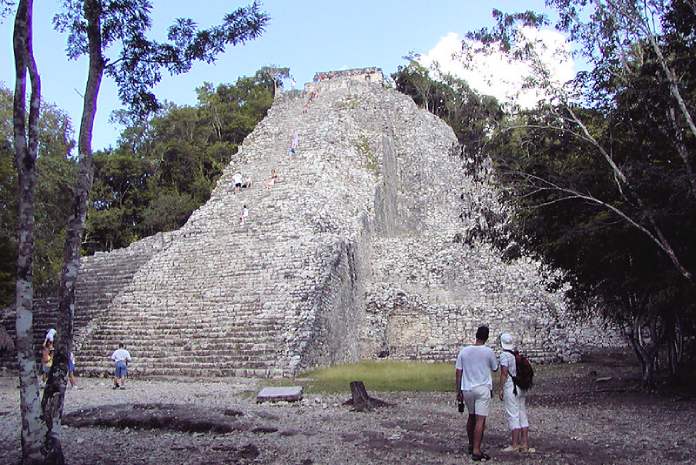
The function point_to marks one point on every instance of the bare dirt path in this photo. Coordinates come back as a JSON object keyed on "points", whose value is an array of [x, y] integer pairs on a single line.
{"points": [[575, 420]]}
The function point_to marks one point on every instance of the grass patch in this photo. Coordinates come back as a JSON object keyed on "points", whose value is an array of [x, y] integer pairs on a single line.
{"points": [[348, 103], [381, 375], [363, 147]]}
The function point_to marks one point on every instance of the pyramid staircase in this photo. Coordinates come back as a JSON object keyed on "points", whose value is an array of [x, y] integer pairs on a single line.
{"points": [[354, 252], [231, 299], [101, 278]]}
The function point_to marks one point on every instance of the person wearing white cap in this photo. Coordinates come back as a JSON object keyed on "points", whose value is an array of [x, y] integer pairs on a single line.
{"points": [[514, 402]]}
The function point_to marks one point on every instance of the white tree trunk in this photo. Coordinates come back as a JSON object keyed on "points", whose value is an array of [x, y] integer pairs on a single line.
{"points": [[54, 395], [26, 149]]}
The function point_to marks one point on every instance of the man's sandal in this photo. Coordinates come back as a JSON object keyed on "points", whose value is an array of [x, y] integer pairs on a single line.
{"points": [[482, 457]]}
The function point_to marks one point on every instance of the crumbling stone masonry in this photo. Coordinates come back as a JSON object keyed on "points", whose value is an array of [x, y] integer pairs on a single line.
{"points": [[354, 253]]}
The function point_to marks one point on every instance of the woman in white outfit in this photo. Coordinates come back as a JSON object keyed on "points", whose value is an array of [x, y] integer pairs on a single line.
{"points": [[514, 403]]}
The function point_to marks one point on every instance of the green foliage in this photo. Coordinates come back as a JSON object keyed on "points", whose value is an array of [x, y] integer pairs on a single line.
{"points": [[56, 170], [166, 167], [363, 147], [622, 234], [471, 116], [275, 74], [348, 103], [137, 67], [384, 376], [6, 7], [169, 210]]}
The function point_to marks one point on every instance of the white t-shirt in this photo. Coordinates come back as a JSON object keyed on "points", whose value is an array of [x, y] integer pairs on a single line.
{"points": [[120, 355], [50, 334], [476, 363], [508, 360], [237, 178]]}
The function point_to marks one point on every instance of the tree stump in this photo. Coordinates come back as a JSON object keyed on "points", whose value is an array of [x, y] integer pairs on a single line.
{"points": [[361, 401]]}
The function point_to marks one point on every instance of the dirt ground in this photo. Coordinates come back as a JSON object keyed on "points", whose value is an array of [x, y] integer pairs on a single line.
{"points": [[574, 420]]}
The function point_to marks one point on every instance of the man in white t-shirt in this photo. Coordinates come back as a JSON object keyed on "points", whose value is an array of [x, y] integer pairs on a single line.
{"points": [[121, 357], [474, 386]]}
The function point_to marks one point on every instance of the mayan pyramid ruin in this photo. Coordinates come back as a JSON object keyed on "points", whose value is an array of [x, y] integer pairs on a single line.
{"points": [[355, 253]]}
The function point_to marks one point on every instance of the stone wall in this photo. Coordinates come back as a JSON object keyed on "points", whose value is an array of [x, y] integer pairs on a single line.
{"points": [[358, 74]]}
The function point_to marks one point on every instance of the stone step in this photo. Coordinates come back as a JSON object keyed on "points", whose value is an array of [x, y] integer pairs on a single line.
{"points": [[220, 361], [111, 341], [229, 353], [211, 326], [106, 372]]}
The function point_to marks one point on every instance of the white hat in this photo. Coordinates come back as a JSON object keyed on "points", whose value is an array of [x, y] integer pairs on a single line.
{"points": [[506, 341]]}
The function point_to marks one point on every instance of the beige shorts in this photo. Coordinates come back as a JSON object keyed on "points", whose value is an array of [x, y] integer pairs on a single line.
{"points": [[478, 400]]}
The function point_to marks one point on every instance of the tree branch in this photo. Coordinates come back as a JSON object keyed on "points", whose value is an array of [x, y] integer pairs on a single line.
{"points": [[658, 238]]}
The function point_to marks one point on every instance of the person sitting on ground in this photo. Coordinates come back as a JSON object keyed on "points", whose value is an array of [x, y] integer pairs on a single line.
{"points": [[514, 400], [270, 182], [243, 215], [121, 357], [247, 182], [237, 181]]}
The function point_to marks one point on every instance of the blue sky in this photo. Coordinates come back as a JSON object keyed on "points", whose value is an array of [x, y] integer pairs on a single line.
{"points": [[305, 35]]}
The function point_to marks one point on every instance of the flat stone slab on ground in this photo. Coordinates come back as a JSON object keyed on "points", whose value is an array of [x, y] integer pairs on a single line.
{"points": [[276, 394]]}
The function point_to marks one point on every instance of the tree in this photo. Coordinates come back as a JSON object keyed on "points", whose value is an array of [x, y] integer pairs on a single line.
{"points": [[276, 75], [618, 146], [93, 26], [118, 197], [471, 116], [166, 166], [414, 80], [25, 141], [54, 170]]}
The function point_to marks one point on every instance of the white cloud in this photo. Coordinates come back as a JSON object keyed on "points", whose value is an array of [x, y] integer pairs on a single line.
{"points": [[495, 74]]}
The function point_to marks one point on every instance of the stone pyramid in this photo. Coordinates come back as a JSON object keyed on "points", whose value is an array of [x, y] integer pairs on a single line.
{"points": [[353, 253]]}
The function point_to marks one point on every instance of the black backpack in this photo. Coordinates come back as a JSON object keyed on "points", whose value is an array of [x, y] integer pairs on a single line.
{"points": [[525, 373]]}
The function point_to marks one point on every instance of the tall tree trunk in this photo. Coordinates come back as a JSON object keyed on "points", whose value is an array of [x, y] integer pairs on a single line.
{"points": [[647, 364], [54, 395], [646, 353], [26, 147]]}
